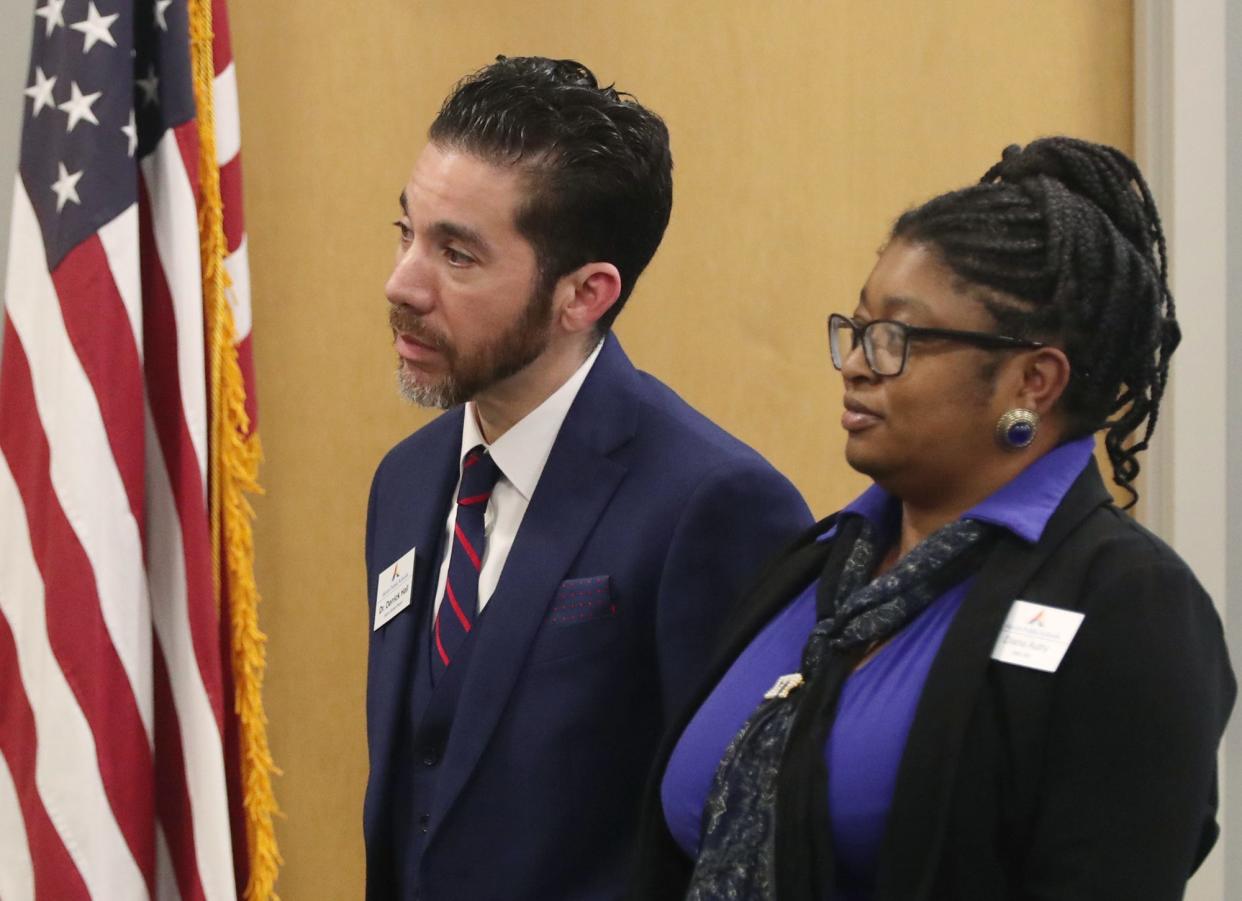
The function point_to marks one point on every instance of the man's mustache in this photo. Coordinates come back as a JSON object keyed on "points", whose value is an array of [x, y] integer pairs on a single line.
{"points": [[406, 322]]}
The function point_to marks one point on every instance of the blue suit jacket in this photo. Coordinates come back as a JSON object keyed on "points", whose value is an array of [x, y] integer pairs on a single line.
{"points": [[558, 716]]}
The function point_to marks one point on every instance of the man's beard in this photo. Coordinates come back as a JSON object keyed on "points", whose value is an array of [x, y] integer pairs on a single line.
{"points": [[468, 375]]}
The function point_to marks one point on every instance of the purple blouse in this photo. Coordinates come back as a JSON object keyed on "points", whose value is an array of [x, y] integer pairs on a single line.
{"points": [[878, 701]]}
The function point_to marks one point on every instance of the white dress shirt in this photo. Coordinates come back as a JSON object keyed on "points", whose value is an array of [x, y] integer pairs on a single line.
{"points": [[520, 453]]}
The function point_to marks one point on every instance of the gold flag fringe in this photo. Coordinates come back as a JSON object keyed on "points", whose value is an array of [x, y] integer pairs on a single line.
{"points": [[233, 471]]}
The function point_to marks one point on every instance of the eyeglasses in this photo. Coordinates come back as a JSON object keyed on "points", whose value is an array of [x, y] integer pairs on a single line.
{"points": [[886, 344]]}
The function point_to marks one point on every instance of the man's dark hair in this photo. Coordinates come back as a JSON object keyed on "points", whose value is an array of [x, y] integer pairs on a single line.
{"points": [[599, 166], [1067, 235]]}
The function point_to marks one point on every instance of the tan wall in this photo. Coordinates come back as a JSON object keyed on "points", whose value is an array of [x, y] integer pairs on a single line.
{"points": [[800, 129]]}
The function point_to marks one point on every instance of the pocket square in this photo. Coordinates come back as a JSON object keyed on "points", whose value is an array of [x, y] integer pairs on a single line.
{"points": [[583, 600]]}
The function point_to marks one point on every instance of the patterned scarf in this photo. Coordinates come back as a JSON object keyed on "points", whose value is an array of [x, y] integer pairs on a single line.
{"points": [[765, 824]]}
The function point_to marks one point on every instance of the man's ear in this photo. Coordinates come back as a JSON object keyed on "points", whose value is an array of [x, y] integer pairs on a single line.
{"points": [[585, 295]]}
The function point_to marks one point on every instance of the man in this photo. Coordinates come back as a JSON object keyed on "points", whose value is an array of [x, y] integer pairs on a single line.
{"points": [[548, 561]]}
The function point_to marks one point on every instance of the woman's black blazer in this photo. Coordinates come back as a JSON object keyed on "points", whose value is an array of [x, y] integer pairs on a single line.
{"points": [[1094, 782]]}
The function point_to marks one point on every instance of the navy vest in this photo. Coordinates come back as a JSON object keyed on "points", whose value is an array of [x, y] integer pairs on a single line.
{"points": [[429, 720]]}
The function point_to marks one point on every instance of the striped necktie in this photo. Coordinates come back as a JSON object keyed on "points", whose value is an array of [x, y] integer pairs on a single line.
{"points": [[460, 605]]}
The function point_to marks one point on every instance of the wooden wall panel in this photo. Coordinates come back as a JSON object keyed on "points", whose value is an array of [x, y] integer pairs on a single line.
{"points": [[800, 130]]}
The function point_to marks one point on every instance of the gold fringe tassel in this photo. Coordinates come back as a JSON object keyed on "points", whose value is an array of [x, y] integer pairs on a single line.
{"points": [[234, 465]]}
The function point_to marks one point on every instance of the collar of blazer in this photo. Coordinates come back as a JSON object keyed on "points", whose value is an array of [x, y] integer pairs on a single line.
{"points": [[922, 798], [410, 496]]}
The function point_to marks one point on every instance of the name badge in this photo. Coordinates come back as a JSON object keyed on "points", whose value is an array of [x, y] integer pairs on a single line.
{"points": [[1036, 636], [392, 594]]}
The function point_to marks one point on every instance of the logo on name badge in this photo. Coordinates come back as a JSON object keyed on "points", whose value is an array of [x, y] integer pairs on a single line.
{"points": [[1036, 636], [394, 588]]}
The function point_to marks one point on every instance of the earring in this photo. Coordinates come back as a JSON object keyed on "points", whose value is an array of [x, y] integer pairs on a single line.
{"points": [[1016, 429]]}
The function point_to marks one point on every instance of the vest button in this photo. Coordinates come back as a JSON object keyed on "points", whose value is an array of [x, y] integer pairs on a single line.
{"points": [[431, 756], [424, 821]]}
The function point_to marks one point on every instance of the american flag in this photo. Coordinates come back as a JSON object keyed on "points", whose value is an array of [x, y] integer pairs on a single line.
{"points": [[119, 769]]}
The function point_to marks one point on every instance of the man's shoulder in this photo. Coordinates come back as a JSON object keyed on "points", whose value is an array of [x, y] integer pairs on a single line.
{"points": [[621, 403], [668, 416], [443, 432]]}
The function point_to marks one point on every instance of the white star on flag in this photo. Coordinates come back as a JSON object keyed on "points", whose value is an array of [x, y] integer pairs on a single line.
{"points": [[96, 28], [66, 187], [79, 106], [41, 91], [160, 7], [150, 87], [131, 131], [52, 13]]}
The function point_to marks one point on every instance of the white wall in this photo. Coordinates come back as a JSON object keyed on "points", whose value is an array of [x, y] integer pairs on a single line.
{"points": [[1233, 436], [18, 18], [1188, 77]]}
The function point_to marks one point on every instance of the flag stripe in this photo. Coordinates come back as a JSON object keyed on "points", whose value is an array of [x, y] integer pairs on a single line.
{"points": [[172, 795], [222, 39], [198, 711], [49, 865], [228, 126], [98, 328], [72, 648], [165, 344], [92, 495], [186, 138], [228, 156], [245, 359], [118, 238], [165, 877], [237, 264], [230, 203], [174, 219]]}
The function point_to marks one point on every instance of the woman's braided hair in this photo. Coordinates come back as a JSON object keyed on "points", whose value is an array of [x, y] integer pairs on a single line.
{"points": [[1066, 233]]}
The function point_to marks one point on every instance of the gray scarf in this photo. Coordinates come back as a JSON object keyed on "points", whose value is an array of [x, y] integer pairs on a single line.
{"points": [[765, 824]]}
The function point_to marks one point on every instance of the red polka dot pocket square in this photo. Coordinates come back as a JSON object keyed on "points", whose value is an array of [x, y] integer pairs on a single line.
{"points": [[583, 601]]}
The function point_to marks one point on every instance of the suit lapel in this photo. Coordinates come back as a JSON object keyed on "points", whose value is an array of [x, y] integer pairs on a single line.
{"points": [[573, 491], [421, 504], [925, 781]]}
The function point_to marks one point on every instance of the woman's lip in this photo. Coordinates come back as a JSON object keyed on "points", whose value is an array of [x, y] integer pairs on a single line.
{"points": [[857, 417], [857, 420]]}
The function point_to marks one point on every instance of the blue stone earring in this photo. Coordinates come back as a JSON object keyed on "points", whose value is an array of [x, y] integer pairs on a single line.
{"points": [[1016, 429]]}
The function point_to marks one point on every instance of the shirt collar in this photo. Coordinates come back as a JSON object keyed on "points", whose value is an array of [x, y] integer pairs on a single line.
{"points": [[1026, 503], [1023, 505], [522, 451]]}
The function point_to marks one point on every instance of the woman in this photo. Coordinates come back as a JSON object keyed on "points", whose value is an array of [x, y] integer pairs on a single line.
{"points": [[980, 680]]}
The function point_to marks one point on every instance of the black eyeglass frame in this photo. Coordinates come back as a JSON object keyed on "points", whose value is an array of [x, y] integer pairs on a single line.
{"points": [[979, 339]]}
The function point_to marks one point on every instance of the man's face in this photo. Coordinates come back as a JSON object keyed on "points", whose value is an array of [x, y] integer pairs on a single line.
{"points": [[466, 308]]}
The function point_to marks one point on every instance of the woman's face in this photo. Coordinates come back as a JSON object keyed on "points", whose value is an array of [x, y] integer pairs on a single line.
{"points": [[927, 433]]}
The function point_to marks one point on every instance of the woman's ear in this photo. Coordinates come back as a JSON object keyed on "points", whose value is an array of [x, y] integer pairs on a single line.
{"points": [[1043, 378]]}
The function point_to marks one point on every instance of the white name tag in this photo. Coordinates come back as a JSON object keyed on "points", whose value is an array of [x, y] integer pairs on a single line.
{"points": [[1036, 636], [392, 594]]}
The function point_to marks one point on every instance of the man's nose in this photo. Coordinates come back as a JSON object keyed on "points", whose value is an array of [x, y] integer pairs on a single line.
{"points": [[411, 282]]}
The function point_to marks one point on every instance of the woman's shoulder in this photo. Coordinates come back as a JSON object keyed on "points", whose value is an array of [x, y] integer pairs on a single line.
{"points": [[1115, 532], [1127, 580]]}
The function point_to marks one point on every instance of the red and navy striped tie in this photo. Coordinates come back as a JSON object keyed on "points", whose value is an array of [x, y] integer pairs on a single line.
{"points": [[460, 605]]}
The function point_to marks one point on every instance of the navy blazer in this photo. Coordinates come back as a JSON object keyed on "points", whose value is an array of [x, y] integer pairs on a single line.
{"points": [[558, 717], [1093, 783]]}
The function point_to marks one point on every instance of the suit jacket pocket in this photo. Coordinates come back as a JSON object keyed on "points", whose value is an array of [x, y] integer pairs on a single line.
{"points": [[581, 618]]}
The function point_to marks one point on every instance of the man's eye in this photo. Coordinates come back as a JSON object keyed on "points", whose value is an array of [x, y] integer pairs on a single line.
{"points": [[407, 233], [456, 257]]}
